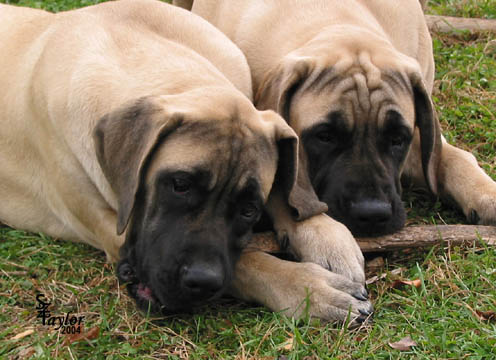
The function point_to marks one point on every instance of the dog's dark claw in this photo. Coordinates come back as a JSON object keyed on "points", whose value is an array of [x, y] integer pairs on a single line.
{"points": [[365, 312], [359, 297], [364, 316], [363, 295], [360, 319]]}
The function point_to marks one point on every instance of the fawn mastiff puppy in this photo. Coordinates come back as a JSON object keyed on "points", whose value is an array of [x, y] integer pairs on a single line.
{"points": [[120, 116], [353, 79]]}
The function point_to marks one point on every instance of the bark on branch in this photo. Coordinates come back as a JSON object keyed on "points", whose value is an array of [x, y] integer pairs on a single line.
{"points": [[425, 236], [449, 23], [409, 237]]}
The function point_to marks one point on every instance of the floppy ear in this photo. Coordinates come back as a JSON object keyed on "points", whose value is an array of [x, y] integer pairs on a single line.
{"points": [[291, 176], [124, 140], [280, 84], [275, 93], [430, 131]]}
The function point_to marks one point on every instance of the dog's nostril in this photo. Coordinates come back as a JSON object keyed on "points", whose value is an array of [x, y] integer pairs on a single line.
{"points": [[202, 280], [371, 211], [126, 272]]}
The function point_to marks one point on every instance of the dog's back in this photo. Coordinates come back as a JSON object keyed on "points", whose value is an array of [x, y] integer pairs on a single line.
{"points": [[60, 73], [13, 17], [176, 25], [268, 30]]}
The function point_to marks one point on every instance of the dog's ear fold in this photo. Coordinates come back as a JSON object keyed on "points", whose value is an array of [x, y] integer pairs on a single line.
{"points": [[430, 131], [291, 178], [280, 84], [275, 93], [124, 140]]}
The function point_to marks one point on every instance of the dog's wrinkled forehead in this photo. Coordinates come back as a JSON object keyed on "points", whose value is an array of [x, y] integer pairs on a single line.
{"points": [[229, 151], [359, 90]]}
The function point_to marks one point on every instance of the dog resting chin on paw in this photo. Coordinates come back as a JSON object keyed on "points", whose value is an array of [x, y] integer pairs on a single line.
{"points": [[152, 150]]}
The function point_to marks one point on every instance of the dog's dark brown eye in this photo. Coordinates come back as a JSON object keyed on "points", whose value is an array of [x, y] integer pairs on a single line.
{"points": [[181, 186], [325, 136], [397, 141], [249, 211]]}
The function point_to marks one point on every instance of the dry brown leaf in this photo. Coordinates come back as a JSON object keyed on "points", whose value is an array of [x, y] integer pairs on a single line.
{"points": [[404, 344], [490, 47], [311, 357], [373, 279], [23, 334], [26, 353], [400, 283], [375, 264], [359, 338], [70, 338], [89, 335], [486, 315], [288, 344]]}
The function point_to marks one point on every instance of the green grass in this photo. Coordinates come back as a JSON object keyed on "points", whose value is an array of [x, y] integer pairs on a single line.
{"points": [[54, 5], [464, 8], [440, 315]]}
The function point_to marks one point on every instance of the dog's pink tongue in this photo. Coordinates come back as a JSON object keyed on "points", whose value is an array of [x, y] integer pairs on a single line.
{"points": [[145, 292]]}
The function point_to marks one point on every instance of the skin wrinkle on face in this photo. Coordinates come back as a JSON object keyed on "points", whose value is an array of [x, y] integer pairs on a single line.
{"points": [[362, 92], [364, 95], [227, 170], [361, 77], [368, 85]]}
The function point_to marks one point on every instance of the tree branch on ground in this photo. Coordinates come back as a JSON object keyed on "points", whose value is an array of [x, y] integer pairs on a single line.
{"points": [[449, 23], [409, 237]]}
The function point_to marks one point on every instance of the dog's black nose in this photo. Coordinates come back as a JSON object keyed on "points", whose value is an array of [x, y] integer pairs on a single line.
{"points": [[125, 272], [371, 212], [203, 280]]}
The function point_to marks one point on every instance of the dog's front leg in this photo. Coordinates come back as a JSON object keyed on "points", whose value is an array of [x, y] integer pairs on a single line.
{"points": [[299, 289], [104, 236], [460, 178], [318, 239]]}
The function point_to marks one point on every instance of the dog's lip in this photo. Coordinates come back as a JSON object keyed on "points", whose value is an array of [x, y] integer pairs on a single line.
{"points": [[145, 292], [139, 288]]}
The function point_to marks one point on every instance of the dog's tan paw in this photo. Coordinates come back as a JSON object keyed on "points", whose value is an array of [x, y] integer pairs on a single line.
{"points": [[328, 243], [316, 292], [483, 212]]}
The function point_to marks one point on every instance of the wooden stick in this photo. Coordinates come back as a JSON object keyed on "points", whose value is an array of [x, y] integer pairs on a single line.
{"points": [[425, 236], [449, 23], [409, 237]]}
